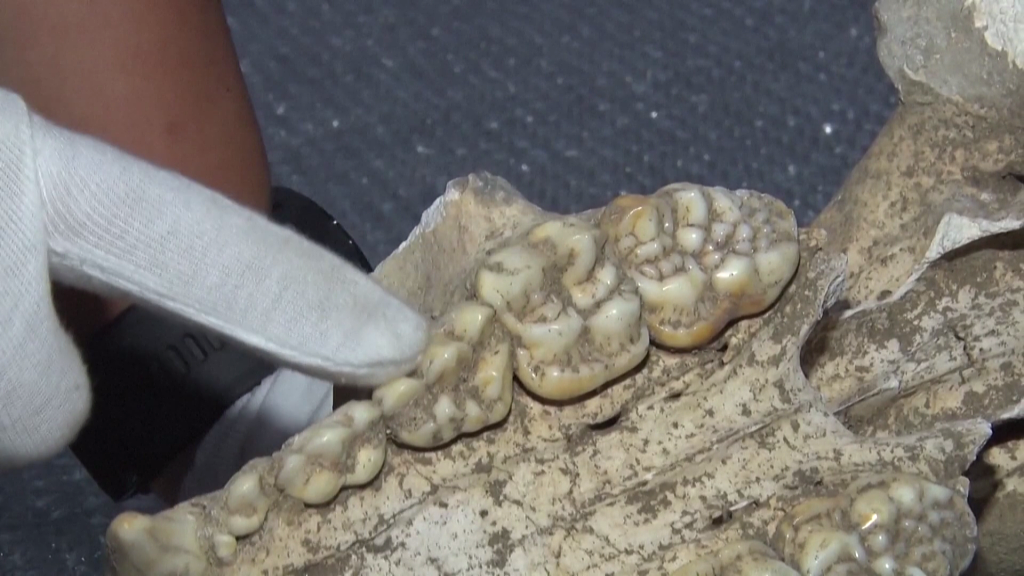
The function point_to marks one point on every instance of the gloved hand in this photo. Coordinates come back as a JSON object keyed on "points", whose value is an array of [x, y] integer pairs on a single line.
{"points": [[88, 215]]}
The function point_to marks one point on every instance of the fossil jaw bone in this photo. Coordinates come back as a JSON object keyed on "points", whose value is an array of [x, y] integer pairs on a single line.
{"points": [[703, 256], [345, 449], [557, 305]]}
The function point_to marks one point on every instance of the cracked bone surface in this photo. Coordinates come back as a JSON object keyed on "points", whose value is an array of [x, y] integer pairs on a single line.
{"points": [[703, 256]]}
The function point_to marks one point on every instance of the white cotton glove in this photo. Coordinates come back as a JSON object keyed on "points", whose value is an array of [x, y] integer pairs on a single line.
{"points": [[78, 211]]}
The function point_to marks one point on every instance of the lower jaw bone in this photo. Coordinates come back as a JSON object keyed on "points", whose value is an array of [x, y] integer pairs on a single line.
{"points": [[561, 307]]}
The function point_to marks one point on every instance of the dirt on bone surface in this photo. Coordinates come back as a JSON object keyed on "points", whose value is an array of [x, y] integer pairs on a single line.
{"points": [[831, 430]]}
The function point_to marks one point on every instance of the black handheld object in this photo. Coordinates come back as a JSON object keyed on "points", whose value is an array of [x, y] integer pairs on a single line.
{"points": [[159, 384]]}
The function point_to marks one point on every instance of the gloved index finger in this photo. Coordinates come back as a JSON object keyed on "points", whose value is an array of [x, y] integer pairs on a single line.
{"points": [[117, 223]]}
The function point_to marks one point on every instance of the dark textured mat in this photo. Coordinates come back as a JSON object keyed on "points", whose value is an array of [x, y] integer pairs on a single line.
{"points": [[371, 108]]}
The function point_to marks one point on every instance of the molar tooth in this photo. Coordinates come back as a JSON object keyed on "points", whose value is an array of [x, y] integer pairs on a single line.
{"points": [[744, 233], [646, 228], [825, 548], [345, 449], [511, 275], [744, 248], [877, 522], [544, 341], [588, 293], [873, 508], [711, 260], [691, 208], [691, 239], [746, 243], [166, 544], [726, 205], [397, 394], [577, 334], [247, 499], [463, 382], [720, 232], [775, 265], [649, 251], [885, 566], [225, 546], [735, 277]]}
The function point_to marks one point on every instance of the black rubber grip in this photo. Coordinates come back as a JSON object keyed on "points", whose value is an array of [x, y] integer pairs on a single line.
{"points": [[159, 384]]}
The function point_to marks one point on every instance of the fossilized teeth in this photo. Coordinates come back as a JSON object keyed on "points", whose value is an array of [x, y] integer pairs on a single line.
{"points": [[702, 256], [345, 449], [574, 316], [247, 498], [743, 558], [890, 525], [463, 382], [166, 544]]}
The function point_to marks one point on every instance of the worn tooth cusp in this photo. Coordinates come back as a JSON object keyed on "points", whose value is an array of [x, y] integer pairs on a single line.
{"points": [[575, 318], [345, 449], [167, 544], [702, 256], [462, 384], [890, 525], [247, 498]]}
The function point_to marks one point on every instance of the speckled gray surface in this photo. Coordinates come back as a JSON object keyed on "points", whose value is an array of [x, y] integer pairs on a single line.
{"points": [[370, 108]]}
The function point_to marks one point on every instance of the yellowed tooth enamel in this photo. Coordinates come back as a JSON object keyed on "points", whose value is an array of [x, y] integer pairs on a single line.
{"points": [[579, 324], [166, 544], [247, 498], [723, 255], [892, 524], [345, 449], [463, 381], [225, 546], [743, 558]]}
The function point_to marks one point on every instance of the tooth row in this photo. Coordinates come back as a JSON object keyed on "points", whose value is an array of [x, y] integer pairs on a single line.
{"points": [[567, 308], [891, 525], [702, 256], [463, 382], [347, 448], [743, 558]]}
